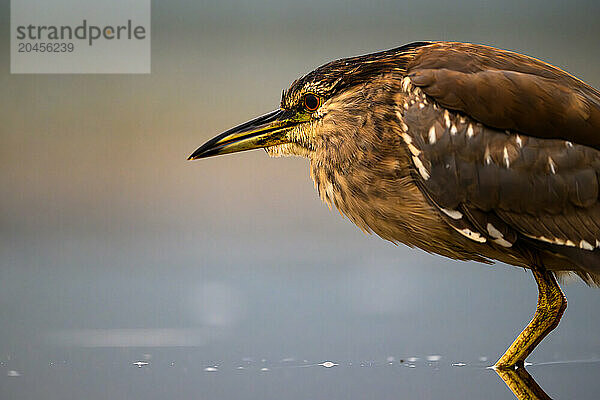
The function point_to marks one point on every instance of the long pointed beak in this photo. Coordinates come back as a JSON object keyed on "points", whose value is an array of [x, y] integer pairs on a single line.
{"points": [[265, 131]]}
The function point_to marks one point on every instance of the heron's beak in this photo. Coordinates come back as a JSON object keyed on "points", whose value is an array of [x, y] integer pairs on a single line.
{"points": [[265, 131]]}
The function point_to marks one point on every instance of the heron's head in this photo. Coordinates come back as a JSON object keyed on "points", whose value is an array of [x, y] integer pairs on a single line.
{"points": [[292, 128], [317, 110]]}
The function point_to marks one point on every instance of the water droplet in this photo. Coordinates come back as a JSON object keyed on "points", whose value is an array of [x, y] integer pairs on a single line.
{"points": [[328, 364], [412, 359], [434, 357], [459, 364], [288, 359], [240, 367], [391, 359], [140, 364], [411, 365], [13, 373], [483, 358], [265, 369], [211, 369]]}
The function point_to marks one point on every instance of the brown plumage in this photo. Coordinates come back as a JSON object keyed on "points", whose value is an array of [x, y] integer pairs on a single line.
{"points": [[463, 150]]}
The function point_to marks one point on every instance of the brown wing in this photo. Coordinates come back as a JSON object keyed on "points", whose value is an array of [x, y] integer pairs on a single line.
{"points": [[505, 188], [505, 90]]}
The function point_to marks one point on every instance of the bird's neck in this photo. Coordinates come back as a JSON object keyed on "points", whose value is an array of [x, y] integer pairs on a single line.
{"points": [[365, 174], [363, 168]]}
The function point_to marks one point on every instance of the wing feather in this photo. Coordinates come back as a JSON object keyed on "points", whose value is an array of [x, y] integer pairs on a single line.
{"points": [[505, 90], [499, 188]]}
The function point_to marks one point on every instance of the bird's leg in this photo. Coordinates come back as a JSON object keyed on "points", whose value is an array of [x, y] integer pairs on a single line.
{"points": [[523, 386], [551, 305]]}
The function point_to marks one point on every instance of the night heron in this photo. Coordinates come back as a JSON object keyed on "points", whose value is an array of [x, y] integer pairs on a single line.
{"points": [[463, 150]]}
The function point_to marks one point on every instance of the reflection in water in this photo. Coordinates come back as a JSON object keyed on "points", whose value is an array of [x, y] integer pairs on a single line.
{"points": [[523, 386], [342, 378]]}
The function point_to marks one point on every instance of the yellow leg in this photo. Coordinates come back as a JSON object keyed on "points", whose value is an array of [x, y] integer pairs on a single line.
{"points": [[523, 386], [551, 305]]}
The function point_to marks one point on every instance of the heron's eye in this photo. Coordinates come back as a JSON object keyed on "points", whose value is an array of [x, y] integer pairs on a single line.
{"points": [[311, 102]]}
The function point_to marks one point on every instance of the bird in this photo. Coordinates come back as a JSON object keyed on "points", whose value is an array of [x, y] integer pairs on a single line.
{"points": [[462, 150]]}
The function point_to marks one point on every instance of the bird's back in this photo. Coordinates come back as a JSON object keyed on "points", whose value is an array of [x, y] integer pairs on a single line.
{"points": [[470, 152]]}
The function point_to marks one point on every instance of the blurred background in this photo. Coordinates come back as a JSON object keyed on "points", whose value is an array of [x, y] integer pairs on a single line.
{"points": [[228, 278]]}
